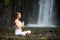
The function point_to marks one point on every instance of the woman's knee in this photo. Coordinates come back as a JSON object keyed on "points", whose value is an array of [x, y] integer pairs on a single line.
{"points": [[28, 32]]}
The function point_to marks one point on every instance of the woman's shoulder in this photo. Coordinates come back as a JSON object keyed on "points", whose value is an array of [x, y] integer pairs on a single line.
{"points": [[15, 20]]}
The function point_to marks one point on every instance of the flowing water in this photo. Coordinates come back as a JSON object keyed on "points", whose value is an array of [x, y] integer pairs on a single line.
{"points": [[44, 15]]}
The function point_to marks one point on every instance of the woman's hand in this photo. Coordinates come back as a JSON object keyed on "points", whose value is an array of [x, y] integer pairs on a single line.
{"points": [[23, 24]]}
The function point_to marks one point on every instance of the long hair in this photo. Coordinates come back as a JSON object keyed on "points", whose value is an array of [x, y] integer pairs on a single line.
{"points": [[17, 13], [15, 16]]}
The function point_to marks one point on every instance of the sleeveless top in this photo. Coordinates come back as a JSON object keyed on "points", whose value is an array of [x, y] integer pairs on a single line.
{"points": [[19, 23]]}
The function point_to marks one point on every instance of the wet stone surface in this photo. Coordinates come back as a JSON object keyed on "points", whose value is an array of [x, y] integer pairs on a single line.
{"points": [[37, 34]]}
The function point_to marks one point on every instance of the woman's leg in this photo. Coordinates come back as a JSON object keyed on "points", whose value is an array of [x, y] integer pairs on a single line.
{"points": [[27, 32], [22, 34]]}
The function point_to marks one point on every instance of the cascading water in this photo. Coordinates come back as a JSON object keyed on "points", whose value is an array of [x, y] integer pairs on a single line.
{"points": [[45, 14]]}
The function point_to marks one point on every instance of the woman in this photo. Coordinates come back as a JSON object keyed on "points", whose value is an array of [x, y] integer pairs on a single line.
{"points": [[19, 25]]}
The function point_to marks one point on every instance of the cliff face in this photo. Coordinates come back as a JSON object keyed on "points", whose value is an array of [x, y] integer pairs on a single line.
{"points": [[5, 14], [30, 12]]}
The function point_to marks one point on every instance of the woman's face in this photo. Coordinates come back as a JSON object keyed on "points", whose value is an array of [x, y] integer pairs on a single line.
{"points": [[19, 15]]}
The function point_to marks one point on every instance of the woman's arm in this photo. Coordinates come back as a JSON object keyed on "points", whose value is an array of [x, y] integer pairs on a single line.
{"points": [[19, 25]]}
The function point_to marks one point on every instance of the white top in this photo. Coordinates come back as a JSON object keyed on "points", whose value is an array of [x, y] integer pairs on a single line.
{"points": [[19, 23]]}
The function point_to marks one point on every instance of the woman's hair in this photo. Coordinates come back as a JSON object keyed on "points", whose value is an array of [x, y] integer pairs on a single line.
{"points": [[17, 14]]}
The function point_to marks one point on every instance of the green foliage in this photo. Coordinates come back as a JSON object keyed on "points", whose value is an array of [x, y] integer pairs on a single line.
{"points": [[6, 2]]}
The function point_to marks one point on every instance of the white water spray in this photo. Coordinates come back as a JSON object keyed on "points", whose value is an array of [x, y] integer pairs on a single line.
{"points": [[45, 14]]}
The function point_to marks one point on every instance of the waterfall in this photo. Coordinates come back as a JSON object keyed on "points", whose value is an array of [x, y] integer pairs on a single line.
{"points": [[45, 14]]}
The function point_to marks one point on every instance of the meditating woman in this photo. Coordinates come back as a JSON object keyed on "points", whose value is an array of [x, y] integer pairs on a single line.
{"points": [[19, 25]]}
